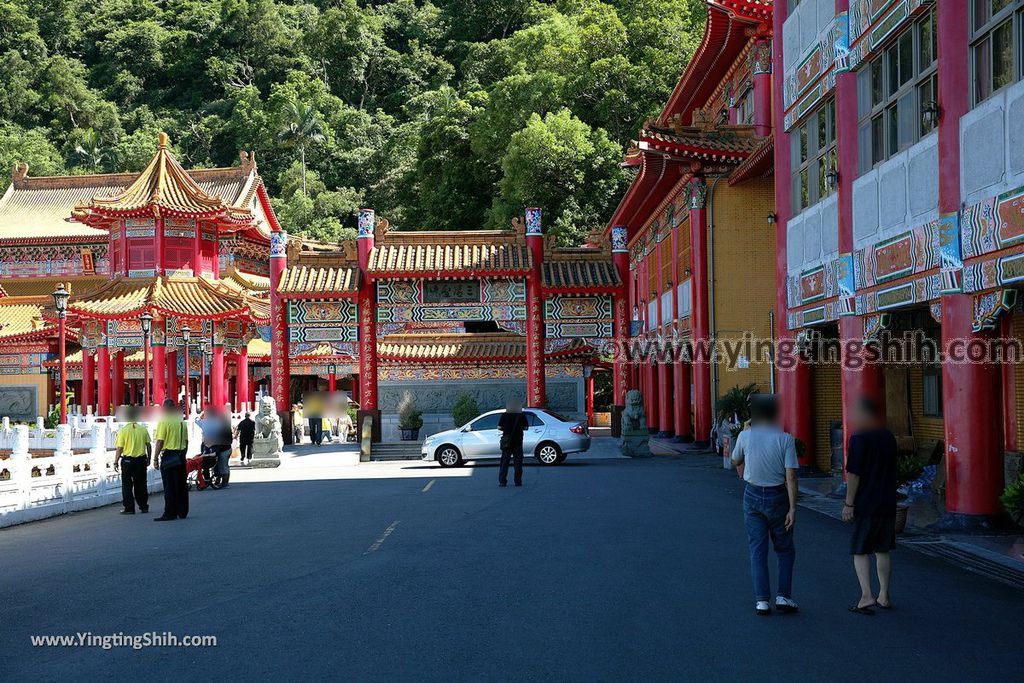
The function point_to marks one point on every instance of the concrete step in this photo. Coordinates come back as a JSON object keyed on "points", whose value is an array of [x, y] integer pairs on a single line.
{"points": [[406, 450]]}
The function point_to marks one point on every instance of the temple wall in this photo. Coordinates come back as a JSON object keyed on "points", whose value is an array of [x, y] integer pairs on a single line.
{"points": [[23, 397]]}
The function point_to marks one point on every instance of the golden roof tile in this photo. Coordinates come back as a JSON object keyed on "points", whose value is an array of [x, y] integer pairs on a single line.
{"points": [[186, 297], [321, 281], [580, 275], [450, 259]]}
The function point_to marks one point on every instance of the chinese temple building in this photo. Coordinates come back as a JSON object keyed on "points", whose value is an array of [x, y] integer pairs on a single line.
{"points": [[492, 314], [693, 236]]}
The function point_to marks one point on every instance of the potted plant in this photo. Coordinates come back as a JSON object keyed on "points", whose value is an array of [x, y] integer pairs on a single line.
{"points": [[409, 419], [908, 468], [1013, 500]]}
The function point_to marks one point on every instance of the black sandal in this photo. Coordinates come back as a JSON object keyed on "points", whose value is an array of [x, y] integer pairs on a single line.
{"points": [[881, 606], [862, 610]]}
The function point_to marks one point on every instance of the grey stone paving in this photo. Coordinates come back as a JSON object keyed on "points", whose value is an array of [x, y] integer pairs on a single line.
{"points": [[600, 570]]}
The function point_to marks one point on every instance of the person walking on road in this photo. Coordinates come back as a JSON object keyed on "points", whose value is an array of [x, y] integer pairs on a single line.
{"points": [[512, 425], [131, 456], [297, 423], [245, 432], [169, 458], [766, 459], [216, 428], [871, 503]]}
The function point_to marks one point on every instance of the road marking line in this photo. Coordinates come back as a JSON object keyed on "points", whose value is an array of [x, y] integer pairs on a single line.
{"points": [[429, 484], [380, 541]]}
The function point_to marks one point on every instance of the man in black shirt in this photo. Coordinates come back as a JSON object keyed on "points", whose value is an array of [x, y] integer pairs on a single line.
{"points": [[246, 433], [512, 424], [871, 503]]}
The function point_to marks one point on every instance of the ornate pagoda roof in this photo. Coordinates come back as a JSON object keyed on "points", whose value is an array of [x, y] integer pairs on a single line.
{"points": [[162, 185], [313, 281], [245, 282], [727, 32], [37, 209], [21, 318], [185, 297], [486, 347], [722, 144], [451, 256], [580, 276], [44, 286]]}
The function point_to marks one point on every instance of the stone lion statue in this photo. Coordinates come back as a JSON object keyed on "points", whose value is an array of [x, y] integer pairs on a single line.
{"points": [[635, 436], [268, 442]]}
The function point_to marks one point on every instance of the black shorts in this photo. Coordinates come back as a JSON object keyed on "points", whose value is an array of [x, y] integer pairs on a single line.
{"points": [[873, 535]]}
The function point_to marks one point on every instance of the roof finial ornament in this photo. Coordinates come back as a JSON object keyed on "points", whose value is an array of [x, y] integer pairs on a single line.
{"points": [[20, 173], [162, 140]]}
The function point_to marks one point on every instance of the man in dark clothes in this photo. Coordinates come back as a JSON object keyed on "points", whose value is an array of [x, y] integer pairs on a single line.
{"points": [[512, 424], [871, 503], [246, 433]]}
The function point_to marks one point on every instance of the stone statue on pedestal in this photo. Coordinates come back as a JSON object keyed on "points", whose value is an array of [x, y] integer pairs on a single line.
{"points": [[268, 444], [635, 436]]}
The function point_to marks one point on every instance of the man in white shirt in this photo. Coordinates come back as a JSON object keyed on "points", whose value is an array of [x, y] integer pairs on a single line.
{"points": [[765, 457]]}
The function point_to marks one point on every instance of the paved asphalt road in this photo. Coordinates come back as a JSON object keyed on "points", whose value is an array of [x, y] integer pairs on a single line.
{"points": [[602, 570]]}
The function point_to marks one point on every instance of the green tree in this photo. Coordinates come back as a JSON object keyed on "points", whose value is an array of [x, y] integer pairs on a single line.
{"points": [[93, 153], [561, 164], [302, 127]]}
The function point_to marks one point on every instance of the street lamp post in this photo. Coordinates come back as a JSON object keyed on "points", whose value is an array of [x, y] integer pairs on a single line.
{"points": [[202, 374], [60, 302], [186, 334], [147, 324]]}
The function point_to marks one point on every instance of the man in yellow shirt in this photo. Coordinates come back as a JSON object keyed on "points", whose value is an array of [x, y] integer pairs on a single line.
{"points": [[131, 456], [171, 445]]}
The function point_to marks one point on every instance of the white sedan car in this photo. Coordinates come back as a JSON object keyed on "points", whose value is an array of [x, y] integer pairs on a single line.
{"points": [[550, 438]]}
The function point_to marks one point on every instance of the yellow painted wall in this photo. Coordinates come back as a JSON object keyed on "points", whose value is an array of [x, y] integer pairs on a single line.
{"points": [[826, 389], [39, 381], [744, 279]]}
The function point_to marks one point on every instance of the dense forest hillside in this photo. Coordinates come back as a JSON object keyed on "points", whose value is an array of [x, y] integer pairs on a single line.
{"points": [[451, 114]]}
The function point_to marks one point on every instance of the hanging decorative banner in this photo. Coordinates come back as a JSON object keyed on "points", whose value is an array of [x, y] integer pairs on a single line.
{"points": [[950, 258]]}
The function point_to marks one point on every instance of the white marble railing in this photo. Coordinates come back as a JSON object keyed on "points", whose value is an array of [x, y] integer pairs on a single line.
{"points": [[38, 487]]}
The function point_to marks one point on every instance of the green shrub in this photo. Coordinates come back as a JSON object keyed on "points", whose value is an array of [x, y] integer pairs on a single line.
{"points": [[1013, 498], [464, 409], [908, 468]]}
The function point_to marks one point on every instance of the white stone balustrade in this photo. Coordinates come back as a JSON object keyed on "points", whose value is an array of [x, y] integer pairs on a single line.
{"points": [[38, 487]]}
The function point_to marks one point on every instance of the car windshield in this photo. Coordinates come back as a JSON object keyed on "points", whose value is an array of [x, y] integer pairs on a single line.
{"points": [[560, 418]]}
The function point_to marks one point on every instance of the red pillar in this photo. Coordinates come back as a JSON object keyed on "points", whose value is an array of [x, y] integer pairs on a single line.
{"points": [[620, 369], [666, 416], [536, 394], [279, 361], [102, 381], [171, 363], [158, 372], [332, 382], [118, 388], [971, 391], [681, 402], [242, 391], [218, 396], [971, 402], [367, 326], [762, 77], [653, 416], [589, 387], [697, 192], [794, 384], [88, 398]]}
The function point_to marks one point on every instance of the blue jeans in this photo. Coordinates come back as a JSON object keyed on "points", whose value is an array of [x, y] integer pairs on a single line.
{"points": [[764, 515]]}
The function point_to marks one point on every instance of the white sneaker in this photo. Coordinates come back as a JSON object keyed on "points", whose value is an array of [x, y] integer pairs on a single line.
{"points": [[763, 608], [786, 605]]}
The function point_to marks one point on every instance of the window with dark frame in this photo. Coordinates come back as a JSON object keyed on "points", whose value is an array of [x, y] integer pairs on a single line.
{"points": [[814, 156], [931, 389], [745, 108], [996, 27], [896, 91]]}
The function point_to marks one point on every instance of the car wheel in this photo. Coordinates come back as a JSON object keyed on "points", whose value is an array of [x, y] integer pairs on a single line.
{"points": [[548, 453], [449, 456]]}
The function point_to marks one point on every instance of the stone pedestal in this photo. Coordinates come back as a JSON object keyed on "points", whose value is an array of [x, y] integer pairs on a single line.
{"points": [[268, 446], [636, 438], [375, 415]]}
